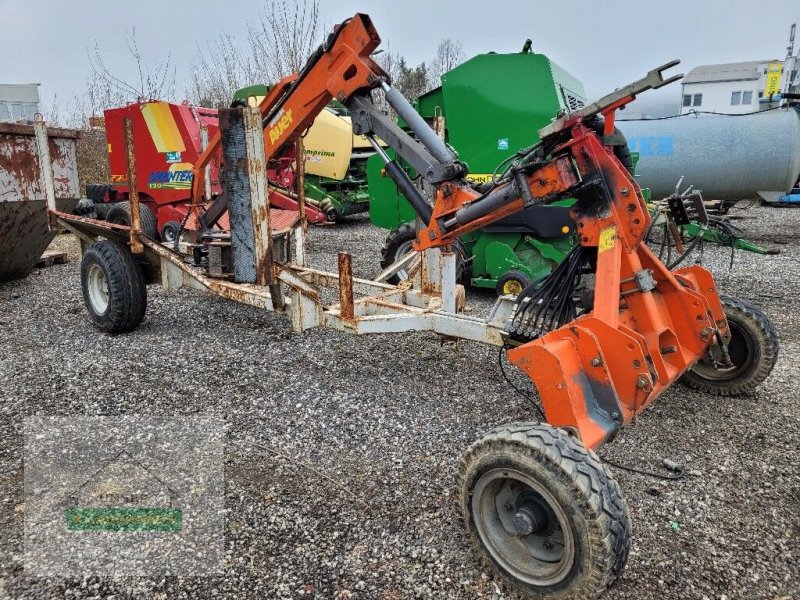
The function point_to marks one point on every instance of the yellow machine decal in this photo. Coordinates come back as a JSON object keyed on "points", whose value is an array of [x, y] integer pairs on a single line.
{"points": [[179, 177], [608, 238], [162, 127], [480, 177], [280, 124]]}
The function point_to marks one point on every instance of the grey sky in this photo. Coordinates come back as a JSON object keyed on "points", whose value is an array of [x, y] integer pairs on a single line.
{"points": [[605, 44]]}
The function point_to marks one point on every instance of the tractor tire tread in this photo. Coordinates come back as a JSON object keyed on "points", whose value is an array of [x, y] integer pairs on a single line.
{"points": [[596, 493], [126, 287], [767, 353], [120, 213], [396, 237]]}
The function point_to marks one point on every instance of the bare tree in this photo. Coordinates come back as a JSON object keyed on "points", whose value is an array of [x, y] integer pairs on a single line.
{"points": [[156, 79], [279, 43], [449, 54], [218, 73], [283, 38]]}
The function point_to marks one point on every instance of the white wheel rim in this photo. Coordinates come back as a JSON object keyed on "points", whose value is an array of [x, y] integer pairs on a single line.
{"points": [[528, 558], [402, 250], [97, 284]]}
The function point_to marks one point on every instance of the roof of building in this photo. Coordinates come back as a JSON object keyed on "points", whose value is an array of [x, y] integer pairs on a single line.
{"points": [[742, 71]]}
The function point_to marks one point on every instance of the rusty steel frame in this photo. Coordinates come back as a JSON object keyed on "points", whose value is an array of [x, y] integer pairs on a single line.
{"points": [[430, 301], [133, 194], [45, 163]]}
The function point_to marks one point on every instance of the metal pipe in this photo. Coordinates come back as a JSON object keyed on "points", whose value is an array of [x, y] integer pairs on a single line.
{"points": [[481, 207], [346, 308], [45, 163], [403, 183], [133, 189], [417, 124]]}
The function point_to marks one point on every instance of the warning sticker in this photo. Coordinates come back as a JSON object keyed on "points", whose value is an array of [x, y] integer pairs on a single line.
{"points": [[608, 238]]}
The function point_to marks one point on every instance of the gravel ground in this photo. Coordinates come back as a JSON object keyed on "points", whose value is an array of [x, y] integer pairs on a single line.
{"points": [[387, 418]]}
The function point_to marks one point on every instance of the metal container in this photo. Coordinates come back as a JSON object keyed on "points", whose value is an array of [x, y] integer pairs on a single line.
{"points": [[726, 157], [24, 234]]}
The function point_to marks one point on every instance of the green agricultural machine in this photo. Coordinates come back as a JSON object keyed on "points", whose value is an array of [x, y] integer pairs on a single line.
{"points": [[488, 108]]}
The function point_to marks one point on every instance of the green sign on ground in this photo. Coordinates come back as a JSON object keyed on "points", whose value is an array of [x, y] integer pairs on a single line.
{"points": [[124, 519]]}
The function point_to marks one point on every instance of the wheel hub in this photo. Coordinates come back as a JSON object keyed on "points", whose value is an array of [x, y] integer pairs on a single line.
{"points": [[523, 527], [98, 289], [528, 520]]}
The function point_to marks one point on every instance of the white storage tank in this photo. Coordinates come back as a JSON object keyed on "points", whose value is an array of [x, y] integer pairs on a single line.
{"points": [[727, 157]]}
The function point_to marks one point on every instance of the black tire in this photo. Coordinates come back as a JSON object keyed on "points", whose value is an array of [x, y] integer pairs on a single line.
{"points": [[120, 213], [395, 246], [102, 210], [512, 282], [170, 232], [586, 510], [113, 287], [753, 349], [398, 243], [96, 192], [618, 141]]}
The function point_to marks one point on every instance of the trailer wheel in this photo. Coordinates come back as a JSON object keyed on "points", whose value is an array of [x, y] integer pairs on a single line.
{"points": [[96, 192], [512, 283], [753, 349], [398, 244], [170, 231], [543, 512], [113, 287], [120, 213]]}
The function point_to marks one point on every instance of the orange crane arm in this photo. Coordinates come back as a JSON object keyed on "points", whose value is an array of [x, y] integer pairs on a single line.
{"points": [[339, 68]]}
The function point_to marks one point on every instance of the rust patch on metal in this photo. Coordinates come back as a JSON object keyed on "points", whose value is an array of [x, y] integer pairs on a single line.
{"points": [[346, 286], [133, 194]]}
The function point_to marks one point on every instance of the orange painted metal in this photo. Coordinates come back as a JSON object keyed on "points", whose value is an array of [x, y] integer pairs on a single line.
{"points": [[551, 179], [344, 68], [601, 370]]}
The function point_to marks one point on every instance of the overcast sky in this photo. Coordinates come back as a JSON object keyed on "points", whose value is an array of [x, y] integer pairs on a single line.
{"points": [[603, 43]]}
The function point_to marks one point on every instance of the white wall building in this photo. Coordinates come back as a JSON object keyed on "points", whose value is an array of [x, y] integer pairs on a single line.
{"points": [[18, 102], [736, 88]]}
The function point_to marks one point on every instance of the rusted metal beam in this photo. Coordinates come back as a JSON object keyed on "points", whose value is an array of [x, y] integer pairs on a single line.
{"points": [[45, 164], [259, 205], [133, 193], [300, 170], [259, 199], [207, 170], [345, 286]]}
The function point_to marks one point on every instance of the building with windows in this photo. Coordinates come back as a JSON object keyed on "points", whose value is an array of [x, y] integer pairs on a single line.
{"points": [[737, 88], [18, 102]]}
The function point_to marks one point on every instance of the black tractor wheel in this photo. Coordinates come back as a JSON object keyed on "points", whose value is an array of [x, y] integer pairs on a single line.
{"points": [[113, 286], [120, 213], [170, 232], [753, 350], [102, 210], [395, 247], [512, 283], [398, 244], [543, 512]]}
